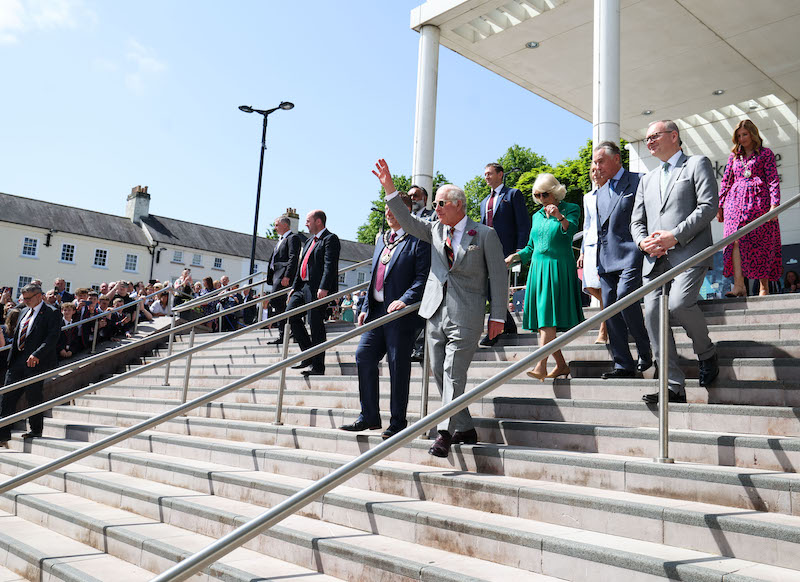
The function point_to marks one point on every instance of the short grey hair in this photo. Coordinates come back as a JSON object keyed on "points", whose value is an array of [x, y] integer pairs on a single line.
{"points": [[31, 288], [670, 125], [610, 148], [283, 219], [453, 192]]}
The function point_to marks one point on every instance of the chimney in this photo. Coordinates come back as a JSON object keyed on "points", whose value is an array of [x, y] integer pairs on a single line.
{"points": [[138, 205], [294, 219]]}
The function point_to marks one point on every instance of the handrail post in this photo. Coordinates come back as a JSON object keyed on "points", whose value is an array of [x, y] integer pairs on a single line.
{"points": [[136, 315], [426, 379], [94, 335], [169, 350], [663, 378], [188, 369], [282, 383]]}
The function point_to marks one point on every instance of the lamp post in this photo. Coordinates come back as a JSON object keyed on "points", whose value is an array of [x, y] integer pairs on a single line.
{"points": [[285, 105]]}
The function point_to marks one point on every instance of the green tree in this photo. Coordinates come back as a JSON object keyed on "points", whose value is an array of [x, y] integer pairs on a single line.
{"points": [[376, 222]]}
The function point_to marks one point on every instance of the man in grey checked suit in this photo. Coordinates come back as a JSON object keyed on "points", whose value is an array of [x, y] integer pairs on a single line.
{"points": [[671, 222], [465, 257]]}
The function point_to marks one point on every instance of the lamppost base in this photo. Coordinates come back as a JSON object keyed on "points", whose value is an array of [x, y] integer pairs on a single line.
{"points": [[666, 460]]}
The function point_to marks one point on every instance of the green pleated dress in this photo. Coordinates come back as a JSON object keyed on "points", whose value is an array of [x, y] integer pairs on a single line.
{"points": [[553, 291]]}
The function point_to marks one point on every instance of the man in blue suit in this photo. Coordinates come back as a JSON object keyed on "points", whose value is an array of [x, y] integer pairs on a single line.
{"points": [[400, 268], [619, 261], [504, 210]]}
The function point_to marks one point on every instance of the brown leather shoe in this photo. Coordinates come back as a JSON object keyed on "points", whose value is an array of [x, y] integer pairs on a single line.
{"points": [[441, 446], [4, 445], [466, 437]]}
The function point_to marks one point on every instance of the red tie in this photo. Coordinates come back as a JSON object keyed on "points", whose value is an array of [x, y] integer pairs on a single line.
{"points": [[24, 332], [304, 266], [381, 267], [448, 246], [490, 211]]}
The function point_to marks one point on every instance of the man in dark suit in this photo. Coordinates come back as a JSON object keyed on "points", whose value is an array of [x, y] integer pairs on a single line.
{"points": [[619, 262], [671, 222], [466, 263], [504, 210], [64, 296], [419, 203], [316, 277], [33, 351], [400, 268], [283, 267]]}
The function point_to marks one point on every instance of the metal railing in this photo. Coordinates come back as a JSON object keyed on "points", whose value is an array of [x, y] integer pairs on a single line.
{"points": [[244, 533], [223, 292]]}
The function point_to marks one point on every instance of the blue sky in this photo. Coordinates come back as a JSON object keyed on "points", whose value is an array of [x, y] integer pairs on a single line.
{"points": [[98, 97]]}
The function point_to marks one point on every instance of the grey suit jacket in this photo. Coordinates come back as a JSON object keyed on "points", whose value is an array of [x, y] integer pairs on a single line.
{"points": [[477, 260], [690, 204]]}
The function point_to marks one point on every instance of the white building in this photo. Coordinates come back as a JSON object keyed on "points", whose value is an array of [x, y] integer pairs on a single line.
{"points": [[622, 64], [44, 240]]}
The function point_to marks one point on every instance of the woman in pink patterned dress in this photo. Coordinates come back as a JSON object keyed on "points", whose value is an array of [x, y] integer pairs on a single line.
{"points": [[750, 187]]}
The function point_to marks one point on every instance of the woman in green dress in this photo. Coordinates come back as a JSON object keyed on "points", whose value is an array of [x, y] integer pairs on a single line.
{"points": [[553, 291]]}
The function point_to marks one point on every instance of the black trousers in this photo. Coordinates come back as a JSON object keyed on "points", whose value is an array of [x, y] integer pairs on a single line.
{"points": [[316, 321], [278, 306], [17, 371]]}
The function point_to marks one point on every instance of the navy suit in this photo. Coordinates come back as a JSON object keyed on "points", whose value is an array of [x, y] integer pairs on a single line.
{"points": [[283, 263], [619, 264], [404, 280], [40, 341], [323, 273], [511, 221]]}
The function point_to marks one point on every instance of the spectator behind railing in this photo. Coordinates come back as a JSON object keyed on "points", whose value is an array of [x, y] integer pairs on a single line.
{"points": [[161, 307], [69, 341]]}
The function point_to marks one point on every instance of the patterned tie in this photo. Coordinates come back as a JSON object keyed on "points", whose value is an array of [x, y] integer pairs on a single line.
{"points": [[664, 179], [23, 332], [448, 246], [490, 211], [304, 266], [381, 266]]}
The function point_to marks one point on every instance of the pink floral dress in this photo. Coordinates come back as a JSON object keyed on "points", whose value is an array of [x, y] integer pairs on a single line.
{"points": [[749, 186]]}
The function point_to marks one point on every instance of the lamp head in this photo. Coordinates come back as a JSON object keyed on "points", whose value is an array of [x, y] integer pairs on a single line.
{"points": [[286, 105], [245, 108]]}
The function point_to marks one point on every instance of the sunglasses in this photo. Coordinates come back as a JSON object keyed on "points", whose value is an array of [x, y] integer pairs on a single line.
{"points": [[441, 203], [541, 194]]}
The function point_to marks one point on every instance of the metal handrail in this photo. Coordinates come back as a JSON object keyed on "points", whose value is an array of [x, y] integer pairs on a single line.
{"points": [[216, 294], [100, 316], [208, 397], [244, 533], [188, 353]]}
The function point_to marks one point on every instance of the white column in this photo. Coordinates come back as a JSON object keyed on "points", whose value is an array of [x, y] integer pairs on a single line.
{"points": [[605, 113], [425, 117]]}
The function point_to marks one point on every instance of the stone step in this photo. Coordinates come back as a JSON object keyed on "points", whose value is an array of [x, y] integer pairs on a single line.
{"points": [[404, 471], [700, 417], [724, 448], [303, 539], [124, 535], [763, 537], [416, 526]]}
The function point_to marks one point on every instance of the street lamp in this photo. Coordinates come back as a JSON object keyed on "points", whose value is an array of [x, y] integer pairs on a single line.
{"points": [[285, 105]]}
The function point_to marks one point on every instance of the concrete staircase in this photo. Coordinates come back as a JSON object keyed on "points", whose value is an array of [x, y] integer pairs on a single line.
{"points": [[561, 487]]}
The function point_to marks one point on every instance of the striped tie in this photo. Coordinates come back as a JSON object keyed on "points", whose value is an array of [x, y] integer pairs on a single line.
{"points": [[448, 246], [23, 332]]}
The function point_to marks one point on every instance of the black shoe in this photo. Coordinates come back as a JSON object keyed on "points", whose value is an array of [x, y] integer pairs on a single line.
{"points": [[709, 370], [312, 371], [441, 446], [390, 432], [301, 365], [466, 437], [673, 397], [417, 356], [488, 343], [275, 342], [32, 435], [644, 363], [617, 373], [360, 425]]}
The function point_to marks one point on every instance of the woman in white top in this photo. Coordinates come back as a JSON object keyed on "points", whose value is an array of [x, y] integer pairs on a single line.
{"points": [[588, 258]]}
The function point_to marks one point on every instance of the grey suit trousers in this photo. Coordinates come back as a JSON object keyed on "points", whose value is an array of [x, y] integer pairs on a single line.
{"points": [[450, 349], [684, 292]]}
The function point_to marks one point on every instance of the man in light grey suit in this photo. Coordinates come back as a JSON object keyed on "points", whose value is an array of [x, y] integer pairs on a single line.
{"points": [[671, 222], [466, 257]]}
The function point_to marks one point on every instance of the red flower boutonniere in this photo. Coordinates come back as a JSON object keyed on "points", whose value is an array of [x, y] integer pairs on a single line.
{"points": [[472, 232]]}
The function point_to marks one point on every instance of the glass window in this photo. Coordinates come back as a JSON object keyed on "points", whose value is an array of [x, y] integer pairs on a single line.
{"points": [[67, 253], [23, 280], [100, 257], [68, 286], [341, 277], [29, 247], [217, 262], [177, 257], [197, 260], [131, 262], [362, 276]]}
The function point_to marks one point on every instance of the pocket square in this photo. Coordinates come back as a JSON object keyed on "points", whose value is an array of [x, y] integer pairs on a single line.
{"points": [[473, 248]]}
